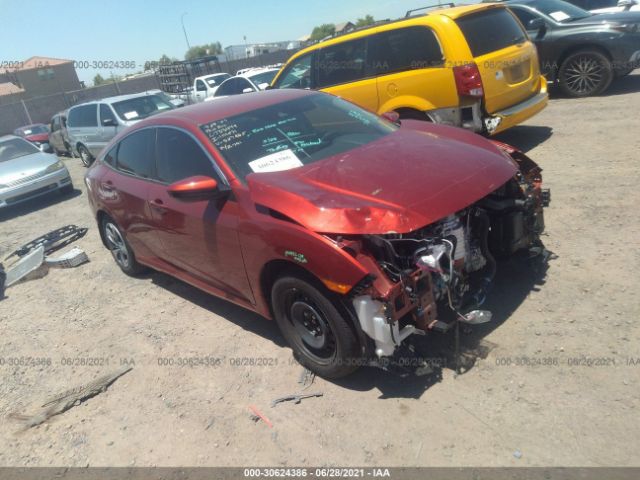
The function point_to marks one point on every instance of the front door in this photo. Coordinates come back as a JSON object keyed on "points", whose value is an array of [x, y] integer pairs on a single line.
{"points": [[199, 237]]}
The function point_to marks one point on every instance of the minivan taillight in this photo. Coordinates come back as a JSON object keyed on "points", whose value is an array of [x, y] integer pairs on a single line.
{"points": [[468, 80]]}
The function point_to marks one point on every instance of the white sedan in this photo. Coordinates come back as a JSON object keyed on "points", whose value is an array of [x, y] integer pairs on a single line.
{"points": [[253, 80]]}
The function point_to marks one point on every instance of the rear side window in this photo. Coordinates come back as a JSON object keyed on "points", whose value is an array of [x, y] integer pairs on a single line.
{"points": [[404, 49], [135, 153], [110, 157], [180, 156], [491, 30], [84, 116], [341, 63]]}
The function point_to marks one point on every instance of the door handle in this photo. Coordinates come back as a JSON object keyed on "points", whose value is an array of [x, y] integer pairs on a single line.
{"points": [[108, 186], [158, 206]]}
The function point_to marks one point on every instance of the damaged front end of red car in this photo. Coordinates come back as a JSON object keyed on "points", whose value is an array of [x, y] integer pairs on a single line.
{"points": [[433, 277]]}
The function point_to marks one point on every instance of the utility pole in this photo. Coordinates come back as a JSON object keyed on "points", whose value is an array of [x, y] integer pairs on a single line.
{"points": [[185, 30]]}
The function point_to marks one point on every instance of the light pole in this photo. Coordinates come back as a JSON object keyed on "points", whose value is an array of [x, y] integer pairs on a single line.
{"points": [[185, 30]]}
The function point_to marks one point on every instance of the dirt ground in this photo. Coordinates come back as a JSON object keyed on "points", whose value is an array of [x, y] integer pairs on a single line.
{"points": [[559, 384]]}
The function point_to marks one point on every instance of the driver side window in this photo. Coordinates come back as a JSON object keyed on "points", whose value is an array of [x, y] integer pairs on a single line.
{"points": [[180, 156], [106, 114], [200, 86]]}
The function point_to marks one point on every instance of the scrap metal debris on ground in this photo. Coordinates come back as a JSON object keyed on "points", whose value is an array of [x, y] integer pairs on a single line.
{"points": [[69, 399], [296, 398], [32, 260], [52, 241], [306, 378]]}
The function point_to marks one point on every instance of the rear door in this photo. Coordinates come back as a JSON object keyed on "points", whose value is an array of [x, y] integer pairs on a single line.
{"points": [[506, 58], [83, 127], [409, 64], [55, 134], [199, 237], [123, 188], [341, 69]]}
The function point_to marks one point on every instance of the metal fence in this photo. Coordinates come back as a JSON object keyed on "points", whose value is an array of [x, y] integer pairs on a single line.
{"points": [[41, 109]]}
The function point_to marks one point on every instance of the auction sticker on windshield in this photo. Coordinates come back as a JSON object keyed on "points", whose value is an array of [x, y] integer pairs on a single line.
{"points": [[276, 162], [559, 16], [131, 115]]}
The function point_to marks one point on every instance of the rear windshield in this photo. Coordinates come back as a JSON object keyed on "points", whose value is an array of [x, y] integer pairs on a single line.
{"points": [[293, 133], [14, 148], [32, 130], [140, 107], [491, 30]]}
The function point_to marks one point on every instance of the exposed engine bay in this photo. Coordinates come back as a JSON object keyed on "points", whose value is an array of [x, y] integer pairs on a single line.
{"points": [[431, 278]]}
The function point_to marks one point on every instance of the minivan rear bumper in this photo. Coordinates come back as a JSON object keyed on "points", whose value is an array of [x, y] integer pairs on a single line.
{"points": [[516, 114]]}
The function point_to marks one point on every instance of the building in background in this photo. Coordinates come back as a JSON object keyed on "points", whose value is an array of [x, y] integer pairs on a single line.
{"points": [[41, 76], [236, 52]]}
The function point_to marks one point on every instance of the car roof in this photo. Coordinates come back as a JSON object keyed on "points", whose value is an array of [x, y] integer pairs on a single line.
{"points": [[114, 99], [224, 107], [257, 71], [452, 13]]}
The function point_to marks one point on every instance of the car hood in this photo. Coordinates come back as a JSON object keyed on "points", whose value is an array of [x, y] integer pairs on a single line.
{"points": [[12, 170], [600, 18], [38, 137], [399, 183]]}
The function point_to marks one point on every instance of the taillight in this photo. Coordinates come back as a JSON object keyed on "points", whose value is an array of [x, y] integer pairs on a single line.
{"points": [[468, 80]]}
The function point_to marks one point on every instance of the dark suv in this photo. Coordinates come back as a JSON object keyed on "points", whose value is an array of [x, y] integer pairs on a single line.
{"points": [[580, 51]]}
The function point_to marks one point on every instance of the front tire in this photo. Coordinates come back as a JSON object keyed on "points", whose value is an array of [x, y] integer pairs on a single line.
{"points": [[120, 249], [585, 73], [85, 156], [321, 338]]}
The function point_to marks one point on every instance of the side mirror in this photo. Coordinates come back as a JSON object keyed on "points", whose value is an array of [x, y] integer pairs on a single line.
{"points": [[393, 117], [108, 122], [195, 189], [247, 90], [536, 24]]}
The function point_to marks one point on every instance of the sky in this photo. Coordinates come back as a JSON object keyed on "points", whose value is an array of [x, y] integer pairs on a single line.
{"points": [[141, 31]]}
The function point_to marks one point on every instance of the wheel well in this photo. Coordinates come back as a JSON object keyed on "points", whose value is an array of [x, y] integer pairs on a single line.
{"points": [[412, 114], [100, 216], [577, 48], [277, 268]]}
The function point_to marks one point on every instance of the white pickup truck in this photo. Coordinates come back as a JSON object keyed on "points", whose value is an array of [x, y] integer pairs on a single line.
{"points": [[206, 85]]}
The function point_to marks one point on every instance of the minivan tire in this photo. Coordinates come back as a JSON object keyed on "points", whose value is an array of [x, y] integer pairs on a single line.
{"points": [[120, 249], [585, 73], [85, 156], [332, 350]]}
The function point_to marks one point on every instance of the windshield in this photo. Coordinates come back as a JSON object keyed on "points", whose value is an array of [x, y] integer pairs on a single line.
{"points": [[217, 80], [140, 107], [32, 130], [14, 148], [560, 11], [264, 77], [293, 133]]}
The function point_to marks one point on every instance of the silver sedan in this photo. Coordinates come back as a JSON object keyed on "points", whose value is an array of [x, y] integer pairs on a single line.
{"points": [[26, 172]]}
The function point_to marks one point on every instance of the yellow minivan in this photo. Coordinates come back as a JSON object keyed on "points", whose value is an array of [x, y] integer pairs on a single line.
{"points": [[471, 66]]}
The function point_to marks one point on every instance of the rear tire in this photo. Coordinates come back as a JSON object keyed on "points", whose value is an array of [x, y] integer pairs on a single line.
{"points": [[85, 156], [585, 73], [321, 338], [120, 249]]}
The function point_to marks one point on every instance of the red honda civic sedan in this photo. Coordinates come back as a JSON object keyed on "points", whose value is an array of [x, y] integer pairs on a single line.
{"points": [[353, 232]]}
